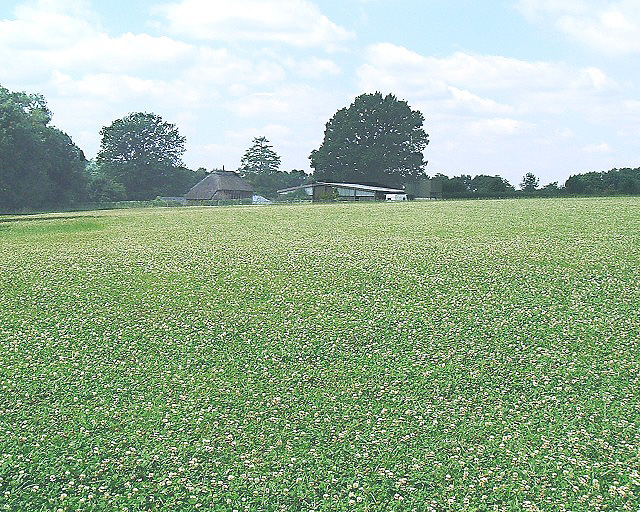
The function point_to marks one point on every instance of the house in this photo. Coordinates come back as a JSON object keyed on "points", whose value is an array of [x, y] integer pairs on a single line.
{"points": [[220, 186], [329, 191]]}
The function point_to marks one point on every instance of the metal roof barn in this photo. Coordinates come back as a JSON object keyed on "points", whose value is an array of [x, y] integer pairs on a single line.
{"points": [[329, 191]]}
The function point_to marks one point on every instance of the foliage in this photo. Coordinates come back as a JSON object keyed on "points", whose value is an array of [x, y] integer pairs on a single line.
{"points": [[40, 166], [101, 189], [614, 182], [260, 166], [323, 357], [480, 186], [529, 183], [376, 139], [456, 187], [143, 153], [550, 190], [491, 186], [259, 160], [269, 184]]}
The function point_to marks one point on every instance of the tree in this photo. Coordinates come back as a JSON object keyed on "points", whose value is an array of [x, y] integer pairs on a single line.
{"points": [[483, 185], [589, 183], [376, 139], [268, 185], [259, 160], [260, 167], [456, 187], [101, 189], [40, 166], [144, 154], [616, 181], [529, 183], [65, 163]]}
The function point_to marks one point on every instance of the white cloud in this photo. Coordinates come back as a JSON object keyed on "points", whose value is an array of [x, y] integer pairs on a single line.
{"points": [[606, 26], [91, 77], [534, 9], [113, 87], [479, 108], [497, 126], [293, 22], [62, 36], [286, 102], [473, 103], [47, 24], [603, 147], [317, 68], [481, 84], [231, 70]]}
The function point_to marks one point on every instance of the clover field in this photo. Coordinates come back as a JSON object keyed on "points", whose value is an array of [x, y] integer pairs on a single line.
{"points": [[471, 355]]}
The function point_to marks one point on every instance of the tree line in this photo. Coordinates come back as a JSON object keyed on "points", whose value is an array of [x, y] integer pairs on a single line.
{"points": [[614, 182], [139, 159], [377, 139]]}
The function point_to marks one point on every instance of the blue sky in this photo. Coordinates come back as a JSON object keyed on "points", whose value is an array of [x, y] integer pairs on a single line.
{"points": [[507, 87]]}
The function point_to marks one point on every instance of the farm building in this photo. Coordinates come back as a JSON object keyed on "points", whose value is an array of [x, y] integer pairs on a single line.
{"points": [[220, 186], [326, 191], [424, 189]]}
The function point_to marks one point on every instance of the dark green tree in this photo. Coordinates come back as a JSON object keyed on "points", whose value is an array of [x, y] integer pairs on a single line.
{"points": [[614, 182], [143, 153], [101, 189], [268, 185], [375, 139], [529, 183], [260, 166], [65, 168], [589, 183], [622, 181], [259, 160], [483, 185], [456, 187], [550, 190], [40, 166]]}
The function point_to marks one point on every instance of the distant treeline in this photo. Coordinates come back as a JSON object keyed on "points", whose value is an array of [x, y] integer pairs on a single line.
{"points": [[607, 183], [140, 158], [41, 168]]}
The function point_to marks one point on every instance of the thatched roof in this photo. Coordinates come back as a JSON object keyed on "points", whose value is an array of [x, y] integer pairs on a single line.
{"points": [[215, 182]]}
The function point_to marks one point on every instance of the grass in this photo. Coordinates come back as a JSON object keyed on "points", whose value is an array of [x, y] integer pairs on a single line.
{"points": [[479, 355]]}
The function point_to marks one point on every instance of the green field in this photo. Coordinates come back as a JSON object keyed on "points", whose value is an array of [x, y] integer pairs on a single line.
{"points": [[415, 356]]}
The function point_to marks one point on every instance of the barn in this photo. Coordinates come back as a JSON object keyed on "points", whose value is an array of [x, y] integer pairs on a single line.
{"points": [[329, 191], [220, 186]]}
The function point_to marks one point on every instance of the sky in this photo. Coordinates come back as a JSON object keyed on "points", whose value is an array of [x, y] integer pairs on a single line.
{"points": [[506, 86]]}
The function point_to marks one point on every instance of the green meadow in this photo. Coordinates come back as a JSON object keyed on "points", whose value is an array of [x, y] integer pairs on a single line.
{"points": [[467, 355]]}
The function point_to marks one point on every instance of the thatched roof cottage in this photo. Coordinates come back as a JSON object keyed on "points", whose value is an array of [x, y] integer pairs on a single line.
{"points": [[220, 186]]}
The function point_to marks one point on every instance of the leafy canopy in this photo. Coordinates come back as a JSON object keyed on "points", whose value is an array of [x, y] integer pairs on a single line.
{"points": [[376, 139], [40, 166], [141, 139], [529, 182], [259, 159], [143, 153], [260, 166]]}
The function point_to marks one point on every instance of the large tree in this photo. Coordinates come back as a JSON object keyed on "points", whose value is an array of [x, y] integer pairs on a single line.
{"points": [[529, 183], [144, 154], [260, 166], [259, 160], [40, 166], [376, 139]]}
